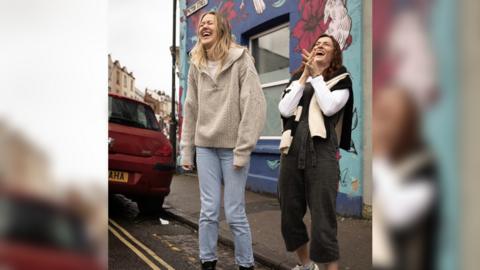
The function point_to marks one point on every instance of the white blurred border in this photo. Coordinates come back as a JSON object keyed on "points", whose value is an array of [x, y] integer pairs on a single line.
{"points": [[54, 82]]}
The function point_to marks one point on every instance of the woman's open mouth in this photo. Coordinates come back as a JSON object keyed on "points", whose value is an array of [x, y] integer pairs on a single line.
{"points": [[206, 33]]}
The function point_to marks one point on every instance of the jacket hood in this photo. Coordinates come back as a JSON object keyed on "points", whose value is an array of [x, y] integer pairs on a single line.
{"points": [[233, 55]]}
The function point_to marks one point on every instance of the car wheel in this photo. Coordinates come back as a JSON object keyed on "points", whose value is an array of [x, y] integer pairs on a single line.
{"points": [[150, 205]]}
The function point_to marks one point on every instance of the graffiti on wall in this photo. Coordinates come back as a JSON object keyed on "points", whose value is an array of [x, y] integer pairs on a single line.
{"points": [[322, 16], [317, 17]]}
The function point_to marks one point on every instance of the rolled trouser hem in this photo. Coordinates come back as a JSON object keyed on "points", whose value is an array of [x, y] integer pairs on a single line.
{"points": [[324, 259], [324, 252], [291, 247]]}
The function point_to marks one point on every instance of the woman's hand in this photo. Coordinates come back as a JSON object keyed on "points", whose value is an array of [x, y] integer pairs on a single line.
{"points": [[187, 167], [307, 59], [311, 68], [314, 69]]}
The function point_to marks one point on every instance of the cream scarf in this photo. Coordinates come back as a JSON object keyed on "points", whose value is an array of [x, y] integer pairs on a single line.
{"points": [[315, 118]]}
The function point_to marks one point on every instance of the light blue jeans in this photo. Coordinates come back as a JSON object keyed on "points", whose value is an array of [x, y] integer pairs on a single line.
{"points": [[215, 164]]}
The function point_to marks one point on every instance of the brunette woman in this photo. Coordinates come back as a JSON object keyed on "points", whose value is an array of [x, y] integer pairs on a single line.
{"points": [[316, 109]]}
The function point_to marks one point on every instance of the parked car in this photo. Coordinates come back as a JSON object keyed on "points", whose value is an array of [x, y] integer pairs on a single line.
{"points": [[139, 155], [36, 233]]}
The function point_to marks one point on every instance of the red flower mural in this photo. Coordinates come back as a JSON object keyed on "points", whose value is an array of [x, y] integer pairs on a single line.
{"points": [[227, 10], [312, 24]]}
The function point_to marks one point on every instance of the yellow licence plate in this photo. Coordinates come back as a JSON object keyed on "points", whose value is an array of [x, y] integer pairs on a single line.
{"points": [[117, 176]]}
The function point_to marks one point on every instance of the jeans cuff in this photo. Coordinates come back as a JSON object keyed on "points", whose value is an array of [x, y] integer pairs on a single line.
{"points": [[247, 265], [202, 260]]}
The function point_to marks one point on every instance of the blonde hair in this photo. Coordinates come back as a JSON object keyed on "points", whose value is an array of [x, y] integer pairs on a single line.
{"points": [[221, 46]]}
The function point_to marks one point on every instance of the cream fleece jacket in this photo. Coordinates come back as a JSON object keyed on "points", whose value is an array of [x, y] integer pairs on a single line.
{"points": [[228, 111]]}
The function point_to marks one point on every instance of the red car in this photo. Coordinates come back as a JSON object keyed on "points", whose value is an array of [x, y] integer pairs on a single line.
{"points": [[39, 234], [139, 155]]}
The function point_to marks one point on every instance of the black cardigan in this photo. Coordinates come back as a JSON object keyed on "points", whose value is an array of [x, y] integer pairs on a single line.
{"points": [[346, 136]]}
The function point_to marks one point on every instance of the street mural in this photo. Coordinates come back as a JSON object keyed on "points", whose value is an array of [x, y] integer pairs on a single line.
{"points": [[307, 20], [318, 17]]}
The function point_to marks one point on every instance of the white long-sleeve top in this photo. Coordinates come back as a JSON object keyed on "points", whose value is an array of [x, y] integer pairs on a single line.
{"points": [[400, 203], [330, 102]]}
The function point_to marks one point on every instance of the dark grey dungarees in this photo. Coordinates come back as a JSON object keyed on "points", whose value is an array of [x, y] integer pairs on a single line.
{"points": [[309, 176]]}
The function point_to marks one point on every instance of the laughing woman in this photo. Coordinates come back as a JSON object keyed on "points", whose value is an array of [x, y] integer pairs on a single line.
{"points": [[316, 109], [225, 112]]}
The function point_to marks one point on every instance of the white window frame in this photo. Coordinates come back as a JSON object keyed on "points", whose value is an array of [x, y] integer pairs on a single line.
{"points": [[270, 84]]}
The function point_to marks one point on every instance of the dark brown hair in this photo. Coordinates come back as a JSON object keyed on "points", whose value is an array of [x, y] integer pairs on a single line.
{"points": [[335, 64]]}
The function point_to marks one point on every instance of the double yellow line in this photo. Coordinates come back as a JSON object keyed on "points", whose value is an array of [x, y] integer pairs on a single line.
{"points": [[139, 253]]}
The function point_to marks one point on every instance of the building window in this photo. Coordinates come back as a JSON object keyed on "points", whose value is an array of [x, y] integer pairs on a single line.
{"points": [[118, 77], [124, 80], [271, 52]]}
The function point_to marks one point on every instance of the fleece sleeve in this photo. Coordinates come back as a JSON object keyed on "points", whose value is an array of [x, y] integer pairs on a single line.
{"points": [[187, 143], [253, 111]]}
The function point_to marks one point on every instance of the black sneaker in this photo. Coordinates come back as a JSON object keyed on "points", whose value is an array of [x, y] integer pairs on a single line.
{"points": [[246, 268], [210, 265]]}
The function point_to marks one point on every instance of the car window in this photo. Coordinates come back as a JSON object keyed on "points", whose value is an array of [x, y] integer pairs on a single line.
{"points": [[142, 115], [131, 113], [37, 224]]}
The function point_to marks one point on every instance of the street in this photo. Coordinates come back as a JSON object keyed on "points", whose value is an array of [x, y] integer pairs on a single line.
{"points": [[176, 245], [144, 243]]}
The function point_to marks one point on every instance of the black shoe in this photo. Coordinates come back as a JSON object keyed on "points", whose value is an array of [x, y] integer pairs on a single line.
{"points": [[210, 265], [246, 268]]}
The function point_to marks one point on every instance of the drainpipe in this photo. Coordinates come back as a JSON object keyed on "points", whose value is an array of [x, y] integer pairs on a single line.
{"points": [[173, 123]]}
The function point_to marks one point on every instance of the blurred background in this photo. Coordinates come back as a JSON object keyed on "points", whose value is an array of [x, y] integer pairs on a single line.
{"points": [[53, 135], [425, 128]]}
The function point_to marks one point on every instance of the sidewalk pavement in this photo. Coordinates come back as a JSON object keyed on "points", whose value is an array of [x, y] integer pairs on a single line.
{"points": [[354, 235]]}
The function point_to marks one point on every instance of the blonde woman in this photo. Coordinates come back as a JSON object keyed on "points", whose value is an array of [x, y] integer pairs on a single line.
{"points": [[225, 112]]}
